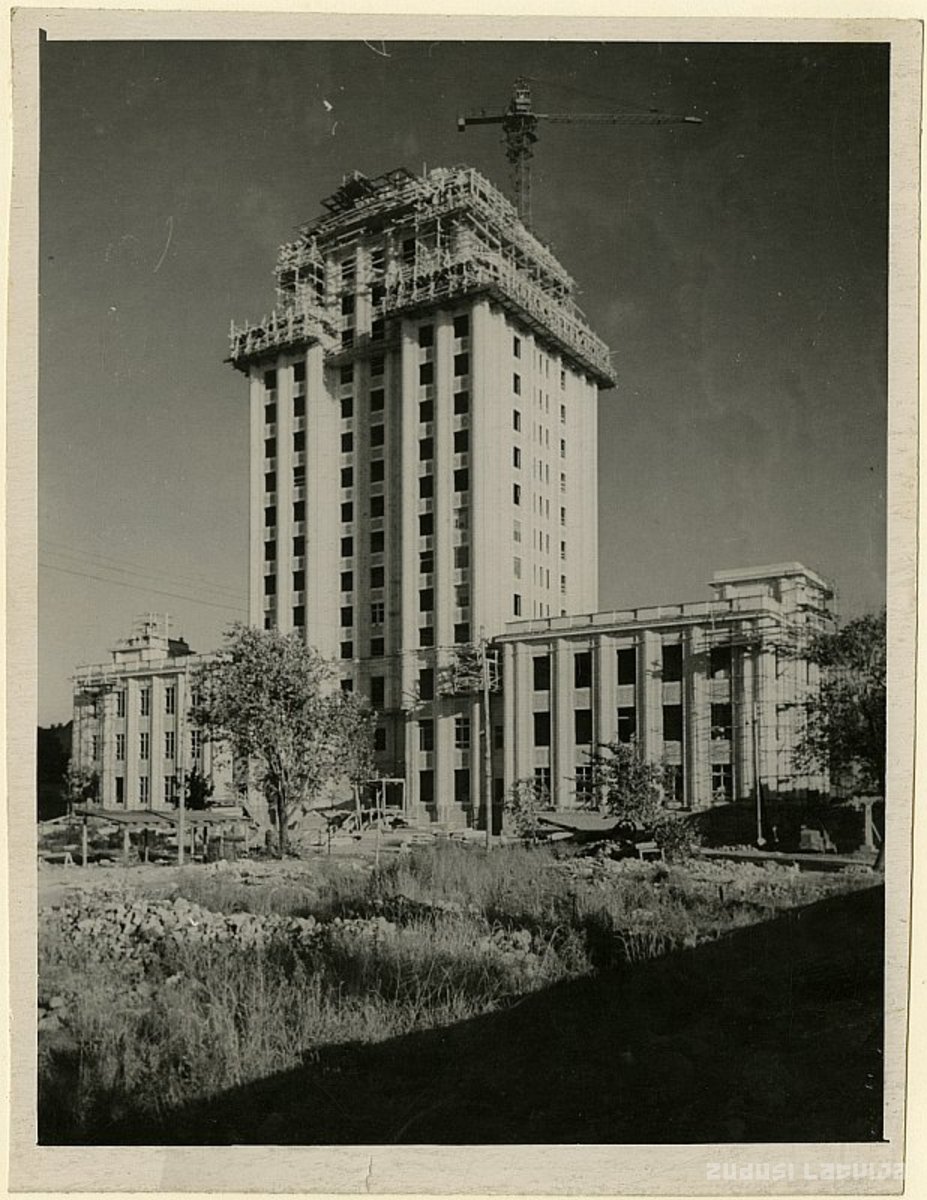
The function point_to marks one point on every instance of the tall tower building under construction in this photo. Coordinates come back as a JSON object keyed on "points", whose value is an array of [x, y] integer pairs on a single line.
{"points": [[423, 453]]}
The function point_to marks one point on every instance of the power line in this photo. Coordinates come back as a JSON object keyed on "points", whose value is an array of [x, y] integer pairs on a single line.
{"points": [[137, 588], [109, 563]]}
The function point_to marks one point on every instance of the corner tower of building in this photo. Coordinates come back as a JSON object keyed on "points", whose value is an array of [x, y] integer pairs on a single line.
{"points": [[423, 451]]}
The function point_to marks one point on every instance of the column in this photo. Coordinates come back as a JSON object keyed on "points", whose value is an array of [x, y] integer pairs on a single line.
{"points": [[284, 598], [132, 731], [563, 766], [323, 472], [650, 696], [476, 758], [157, 764], [605, 690], [696, 715], [511, 700], [405, 478], [108, 749], [444, 494], [257, 529], [523, 766]]}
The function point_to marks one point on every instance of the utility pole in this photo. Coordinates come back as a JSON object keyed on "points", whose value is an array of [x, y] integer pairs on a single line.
{"points": [[760, 840]]}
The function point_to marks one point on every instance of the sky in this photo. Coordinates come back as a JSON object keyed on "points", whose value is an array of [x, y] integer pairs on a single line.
{"points": [[736, 269]]}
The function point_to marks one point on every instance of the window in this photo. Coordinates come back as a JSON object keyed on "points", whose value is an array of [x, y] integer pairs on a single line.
{"points": [[121, 703], [170, 699], [462, 786], [377, 690], [627, 666], [563, 414], [169, 741], [582, 726], [563, 551], [144, 745], [562, 482], [516, 567], [542, 728], [379, 739], [377, 400], [346, 374], [426, 735], [516, 531], [672, 722], [376, 470], [426, 486], [347, 685], [377, 577], [461, 403], [516, 457], [144, 702], [721, 722], [720, 662], [270, 447], [347, 649], [120, 747], [585, 788], [426, 335], [270, 481], [299, 510], [376, 366], [516, 347], [347, 477], [516, 604], [270, 380], [270, 413], [299, 616], [426, 787], [426, 448], [461, 364], [347, 547], [462, 632], [462, 326], [563, 380], [461, 595], [461, 441], [563, 516], [170, 789], [672, 663], [347, 443], [461, 518], [143, 792], [377, 541], [563, 585], [426, 524], [461, 479], [270, 551], [426, 562], [299, 372], [347, 511], [299, 546], [562, 448], [426, 373], [627, 724], [426, 635], [196, 744], [582, 669], [461, 557], [542, 784], [722, 781], [461, 733], [541, 668], [426, 684], [426, 600], [270, 516], [516, 493], [498, 737], [299, 406], [347, 407], [516, 384], [516, 420], [377, 506], [426, 411], [347, 615], [347, 581], [376, 647]]}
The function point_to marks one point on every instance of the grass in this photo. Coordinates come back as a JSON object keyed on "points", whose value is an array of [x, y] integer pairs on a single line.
{"points": [[170, 999]]}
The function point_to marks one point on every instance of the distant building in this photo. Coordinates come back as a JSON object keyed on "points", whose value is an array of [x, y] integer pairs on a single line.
{"points": [[131, 722], [423, 452], [709, 688]]}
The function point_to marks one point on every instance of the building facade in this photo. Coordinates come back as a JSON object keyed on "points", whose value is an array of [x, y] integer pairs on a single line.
{"points": [[131, 722], [423, 453], [715, 690]]}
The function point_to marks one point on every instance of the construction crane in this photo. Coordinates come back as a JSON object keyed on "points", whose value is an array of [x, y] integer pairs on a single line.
{"points": [[519, 128]]}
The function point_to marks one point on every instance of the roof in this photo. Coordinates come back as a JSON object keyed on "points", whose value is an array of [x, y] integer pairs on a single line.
{"points": [[581, 822]]}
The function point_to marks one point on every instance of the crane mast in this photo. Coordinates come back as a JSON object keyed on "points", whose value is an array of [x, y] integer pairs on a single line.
{"points": [[519, 130]]}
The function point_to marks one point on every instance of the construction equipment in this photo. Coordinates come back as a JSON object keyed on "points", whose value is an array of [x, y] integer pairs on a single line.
{"points": [[519, 128]]}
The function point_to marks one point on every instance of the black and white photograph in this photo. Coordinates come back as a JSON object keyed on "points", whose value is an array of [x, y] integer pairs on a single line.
{"points": [[472, 517]]}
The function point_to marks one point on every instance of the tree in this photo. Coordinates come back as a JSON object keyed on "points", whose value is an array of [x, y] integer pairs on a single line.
{"points": [[844, 729], [525, 801], [270, 697], [631, 787], [197, 789], [82, 784]]}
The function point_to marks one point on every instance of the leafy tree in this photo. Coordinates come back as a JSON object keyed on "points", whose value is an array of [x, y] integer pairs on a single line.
{"points": [[82, 784], [631, 787], [270, 697], [525, 801], [198, 788], [844, 729]]}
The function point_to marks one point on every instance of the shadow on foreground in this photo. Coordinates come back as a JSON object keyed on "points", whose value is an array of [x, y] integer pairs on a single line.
{"points": [[773, 1033]]}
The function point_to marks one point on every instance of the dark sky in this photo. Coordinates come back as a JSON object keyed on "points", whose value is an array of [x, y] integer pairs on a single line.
{"points": [[737, 269]]}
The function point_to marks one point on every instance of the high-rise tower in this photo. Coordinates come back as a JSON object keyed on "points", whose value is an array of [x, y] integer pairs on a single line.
{"points": [[423, 452]]}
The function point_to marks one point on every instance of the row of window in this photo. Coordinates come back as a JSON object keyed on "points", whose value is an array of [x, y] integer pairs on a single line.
{"points": [[426, 639], [144, 745], [721, 724], [144, 701], [672, 662]]}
